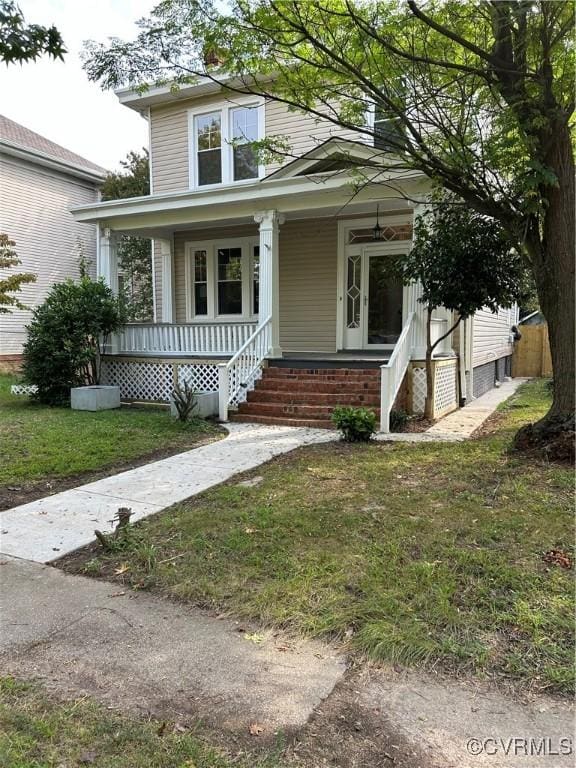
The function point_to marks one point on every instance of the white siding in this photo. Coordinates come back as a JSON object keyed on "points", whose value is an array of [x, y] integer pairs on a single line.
{"points": [[35, 212], [491, 334]]}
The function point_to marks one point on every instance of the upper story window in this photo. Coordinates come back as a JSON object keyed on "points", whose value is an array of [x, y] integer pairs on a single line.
{"points": [[209, 148], [221, 149], [244, 130]]}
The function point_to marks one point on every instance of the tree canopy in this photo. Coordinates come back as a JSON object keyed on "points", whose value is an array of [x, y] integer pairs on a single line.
{"points": [[11, 283], [477, 95], [134, 253], [463, 260], [20, 42]]}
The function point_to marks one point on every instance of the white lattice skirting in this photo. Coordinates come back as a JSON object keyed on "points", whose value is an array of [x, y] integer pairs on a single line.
{"points": [[445, 387], [154, 380], [418, 389], [445, 392]]}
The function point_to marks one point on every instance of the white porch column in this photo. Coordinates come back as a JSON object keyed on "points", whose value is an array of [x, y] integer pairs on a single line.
{"points": [[270, 222], [168, 304], [107, 267], [413, 293], [108, 258]]}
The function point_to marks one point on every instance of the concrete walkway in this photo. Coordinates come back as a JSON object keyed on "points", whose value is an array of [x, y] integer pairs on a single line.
{"points": [[459, 425], [463, 422], [48, 528]]}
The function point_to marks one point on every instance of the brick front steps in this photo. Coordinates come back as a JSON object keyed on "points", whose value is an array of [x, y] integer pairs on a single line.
{"points": [[306, 397]]}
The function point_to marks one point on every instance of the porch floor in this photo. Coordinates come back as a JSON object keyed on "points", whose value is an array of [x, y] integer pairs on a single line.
{"points": [[349, 359]]}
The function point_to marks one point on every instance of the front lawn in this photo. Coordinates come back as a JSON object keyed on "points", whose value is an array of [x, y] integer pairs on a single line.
{"points": [[36, 731], [41, 445], [429, 554]]}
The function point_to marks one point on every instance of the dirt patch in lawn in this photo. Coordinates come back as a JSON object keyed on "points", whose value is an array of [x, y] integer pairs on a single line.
{"points": [[14, 495]]}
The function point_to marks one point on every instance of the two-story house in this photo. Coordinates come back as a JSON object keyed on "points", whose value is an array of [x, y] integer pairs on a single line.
{"points": [[272, 282], [39, 182]]}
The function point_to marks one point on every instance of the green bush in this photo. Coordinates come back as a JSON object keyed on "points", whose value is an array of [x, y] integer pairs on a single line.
{"points": [[356, 424], [67, 336], [398, 420]]}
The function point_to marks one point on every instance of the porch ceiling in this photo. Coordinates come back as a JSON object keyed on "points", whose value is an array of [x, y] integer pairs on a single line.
{"points": [[296, 198]]}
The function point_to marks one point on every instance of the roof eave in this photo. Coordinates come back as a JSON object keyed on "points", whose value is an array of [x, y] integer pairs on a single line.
{"points": [[228, 194], [40, 158]]}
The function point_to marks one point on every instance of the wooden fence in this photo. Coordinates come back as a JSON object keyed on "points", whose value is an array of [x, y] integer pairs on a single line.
{"points": [[532, 352]]}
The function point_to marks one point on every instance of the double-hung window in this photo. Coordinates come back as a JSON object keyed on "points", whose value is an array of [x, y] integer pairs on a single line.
{"points": [[221, 144], [209, 148], [223, 279], [244, 129]]}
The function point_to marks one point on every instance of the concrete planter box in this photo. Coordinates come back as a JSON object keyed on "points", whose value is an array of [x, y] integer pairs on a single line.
{"points": [[207, 405], [95, 398]]}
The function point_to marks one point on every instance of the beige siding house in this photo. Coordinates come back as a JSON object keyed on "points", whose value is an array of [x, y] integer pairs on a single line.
{"points": [[272, 282], [39, 183]]}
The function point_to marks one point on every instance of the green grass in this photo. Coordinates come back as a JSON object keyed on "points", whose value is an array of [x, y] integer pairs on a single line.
{"points": [[36, 731], [425, 554], [39, 442]]}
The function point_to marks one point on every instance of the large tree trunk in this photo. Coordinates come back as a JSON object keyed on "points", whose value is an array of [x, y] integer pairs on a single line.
{"points": [[553, 261]]}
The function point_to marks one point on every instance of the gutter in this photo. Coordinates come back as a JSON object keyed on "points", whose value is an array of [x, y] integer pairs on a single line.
{"points": [[40, 158]]}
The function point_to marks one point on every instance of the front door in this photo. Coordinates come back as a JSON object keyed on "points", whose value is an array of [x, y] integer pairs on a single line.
{"points": [[374, 301], [383, 303]]}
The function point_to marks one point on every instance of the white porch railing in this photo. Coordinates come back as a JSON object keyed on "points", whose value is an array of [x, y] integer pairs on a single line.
{"points": [[198, 339], [392, 372], [238, 375]]}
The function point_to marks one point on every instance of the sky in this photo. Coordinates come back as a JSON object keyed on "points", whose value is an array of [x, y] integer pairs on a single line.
{"points": [[57, 100]]}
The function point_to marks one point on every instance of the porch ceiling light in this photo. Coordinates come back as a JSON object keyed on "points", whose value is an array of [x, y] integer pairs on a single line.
{"points": [[377, 230]]}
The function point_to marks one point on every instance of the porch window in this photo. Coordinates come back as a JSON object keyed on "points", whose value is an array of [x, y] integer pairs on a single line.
{"points": [[209, 148], [200, 278], [229, 281]]}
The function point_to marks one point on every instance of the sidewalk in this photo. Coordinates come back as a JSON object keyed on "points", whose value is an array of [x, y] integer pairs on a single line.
{"points": [[49, 528], [146, 655]]}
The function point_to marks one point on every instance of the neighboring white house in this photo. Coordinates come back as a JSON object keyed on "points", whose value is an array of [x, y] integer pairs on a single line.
{"points": [[272, 284], [40, 182]]}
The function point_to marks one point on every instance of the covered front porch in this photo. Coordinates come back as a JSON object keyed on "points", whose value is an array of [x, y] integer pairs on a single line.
{"points": [[238, 285]]}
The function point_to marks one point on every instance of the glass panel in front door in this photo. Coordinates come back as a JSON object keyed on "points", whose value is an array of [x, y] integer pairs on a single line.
{"points": [[384, 302]]}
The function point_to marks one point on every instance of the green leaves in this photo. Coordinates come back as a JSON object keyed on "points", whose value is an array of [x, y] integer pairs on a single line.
{"points": [[66, 338], [20, 42], [12, 283], [464, 261], [134, 253]]}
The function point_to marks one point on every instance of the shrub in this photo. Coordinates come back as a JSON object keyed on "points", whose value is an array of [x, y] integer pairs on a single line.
{"points": [[398, 420], [185, 401], [356, 424], [67, 336]]}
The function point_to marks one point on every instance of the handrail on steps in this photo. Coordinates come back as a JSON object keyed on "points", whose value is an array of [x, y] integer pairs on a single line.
{"points": [[240, 372], [392, 372]]}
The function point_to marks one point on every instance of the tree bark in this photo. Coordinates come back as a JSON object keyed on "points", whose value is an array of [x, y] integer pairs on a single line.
{"points": [[553, 261]]}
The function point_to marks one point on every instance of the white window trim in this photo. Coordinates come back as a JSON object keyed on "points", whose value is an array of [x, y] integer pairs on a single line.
{"points": [[226, 154], [211, 247]]}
